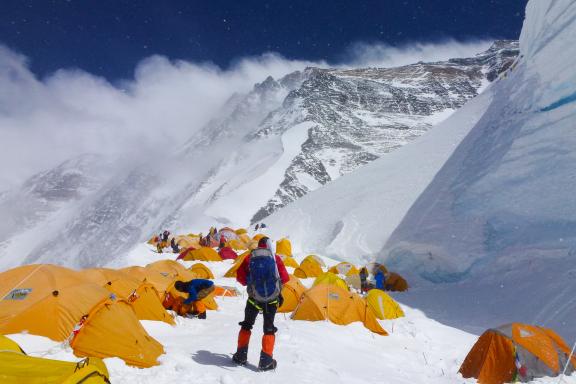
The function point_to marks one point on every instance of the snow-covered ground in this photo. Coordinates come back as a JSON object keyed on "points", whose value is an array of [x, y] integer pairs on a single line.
{"points": [[417, 350]]}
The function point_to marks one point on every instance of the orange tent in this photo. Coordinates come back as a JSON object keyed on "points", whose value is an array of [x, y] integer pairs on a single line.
{"points": [[221, 290], [291, 292], [201, 271], [395, 282], [30, 292], [110, 327], [142, 296], [517, 352], [329, 301]]}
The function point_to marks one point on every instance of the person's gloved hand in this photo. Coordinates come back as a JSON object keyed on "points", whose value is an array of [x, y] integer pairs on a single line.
{"points": [[280, 300]]}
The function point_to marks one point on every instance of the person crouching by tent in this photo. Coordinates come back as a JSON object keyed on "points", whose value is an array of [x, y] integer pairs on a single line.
{"points": [[263, 273], [197, 289]]}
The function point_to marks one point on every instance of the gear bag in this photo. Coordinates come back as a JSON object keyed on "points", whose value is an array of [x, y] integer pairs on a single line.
{"points": [[263, 280]]}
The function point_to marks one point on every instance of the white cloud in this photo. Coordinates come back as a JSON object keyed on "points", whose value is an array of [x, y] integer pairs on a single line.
{"points": [[46, 121], [384, 55]]}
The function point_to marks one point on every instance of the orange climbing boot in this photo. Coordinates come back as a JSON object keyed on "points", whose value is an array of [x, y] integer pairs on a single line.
{"points": [[266, 361], [241, 355]]}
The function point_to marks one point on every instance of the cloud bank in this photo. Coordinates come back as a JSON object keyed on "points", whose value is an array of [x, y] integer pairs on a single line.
{"points": [[71, 112]]}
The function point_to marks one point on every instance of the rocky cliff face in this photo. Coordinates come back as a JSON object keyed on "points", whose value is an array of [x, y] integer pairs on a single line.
{"points": [[360, 114]]}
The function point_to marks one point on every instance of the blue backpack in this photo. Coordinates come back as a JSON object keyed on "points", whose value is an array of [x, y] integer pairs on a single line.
{"points": [[263, 280]]}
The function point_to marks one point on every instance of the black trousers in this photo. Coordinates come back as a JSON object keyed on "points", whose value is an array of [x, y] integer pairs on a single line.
{"points": [[252, 310]]}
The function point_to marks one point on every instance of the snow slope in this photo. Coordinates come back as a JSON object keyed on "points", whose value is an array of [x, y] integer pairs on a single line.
{"points": [[497, 225], [418, 349]]}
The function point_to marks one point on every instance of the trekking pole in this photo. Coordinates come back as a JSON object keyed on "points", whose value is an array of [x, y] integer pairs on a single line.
{"points": [[567, 362]]}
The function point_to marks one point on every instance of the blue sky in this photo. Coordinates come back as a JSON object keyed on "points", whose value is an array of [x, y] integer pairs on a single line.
{"points": [[109, 37]]}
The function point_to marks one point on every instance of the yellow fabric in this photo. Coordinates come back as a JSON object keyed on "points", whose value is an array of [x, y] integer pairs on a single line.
{"points": [[309, 267], [203, 254], [142, 296], [201, 271], [237, 244], [284, 247], [17, 368], [258, 236], [329, 301], [8, 345], [383, 306], [240, 231], [291, 292], [112, 330], [187, 241], [159, 281], [344, 268], [57, 291], [172, 269], [237, 263], [289, 261], [316, 259], [332, 279]]}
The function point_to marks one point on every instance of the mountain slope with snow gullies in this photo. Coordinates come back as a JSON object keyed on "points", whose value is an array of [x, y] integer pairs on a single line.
{"points": [[267, 148]]}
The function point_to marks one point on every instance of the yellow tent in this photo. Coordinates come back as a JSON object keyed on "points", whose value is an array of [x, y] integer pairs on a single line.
{"points": [[309, 267], [30, 292], [329, 301], [18, 368], [241, 231], [172, 269], [291, 292], [314, 258], [142, 296], [383, 306], [289, 261], [176, 271], [237, 263], [159, 281], [344, 268], [203, 254], [284, 247], [187, 241], [258, 236], [111, 329], [237, 244], [330, 278], [201, 271]]}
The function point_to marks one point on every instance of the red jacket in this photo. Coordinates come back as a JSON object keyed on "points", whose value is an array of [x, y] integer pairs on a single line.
{"points": [[245, 267]]}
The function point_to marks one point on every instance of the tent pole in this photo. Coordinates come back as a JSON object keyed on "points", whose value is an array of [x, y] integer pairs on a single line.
{"points": [[567, 362]]}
